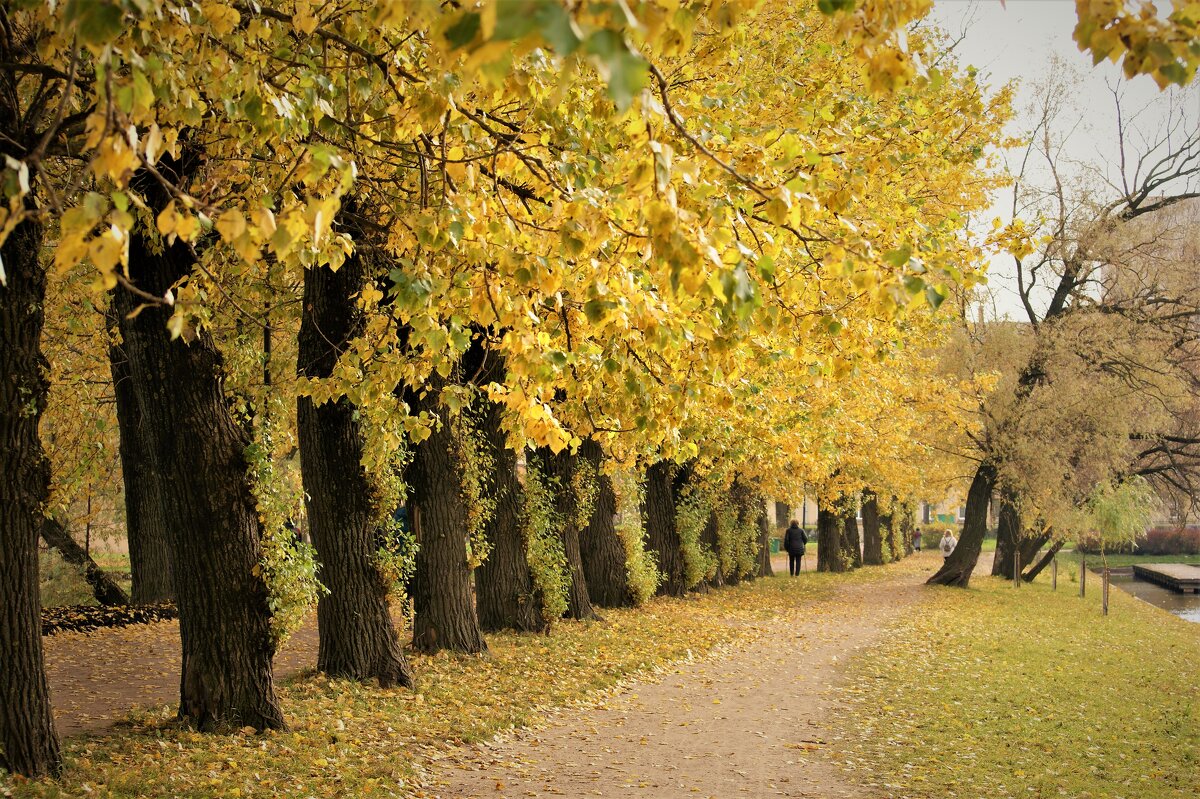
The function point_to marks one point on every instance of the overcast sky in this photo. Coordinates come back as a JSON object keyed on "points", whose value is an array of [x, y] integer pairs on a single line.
{"points": [[1018, 40]]}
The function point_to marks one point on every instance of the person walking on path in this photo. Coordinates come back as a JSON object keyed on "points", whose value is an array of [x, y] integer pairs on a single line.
{"points": [[917, 540], [949, 542], [794, 541]]}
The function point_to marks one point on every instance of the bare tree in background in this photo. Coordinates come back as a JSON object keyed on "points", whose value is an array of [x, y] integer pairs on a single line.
{"points": [[1104, 383]]}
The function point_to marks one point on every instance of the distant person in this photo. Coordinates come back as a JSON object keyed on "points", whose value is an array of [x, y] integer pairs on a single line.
{"points": [[917, 540], [949, 542], [794, 542]]}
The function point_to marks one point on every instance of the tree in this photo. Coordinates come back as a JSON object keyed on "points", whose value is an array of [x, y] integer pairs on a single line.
{"points": [[662, 534], [872, 538], [1103, 362], [576, 487], [445, 515], [146, 518], [851, 540], [28, 741], [198, 447], [105, 589], [348, 511], [764, 539], [831, 556], [605, 562], [505, 592]]}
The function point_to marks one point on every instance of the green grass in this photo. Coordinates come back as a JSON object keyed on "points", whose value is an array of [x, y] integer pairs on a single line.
{"points": [[996, 692], [63, 584], [1115, 561]]}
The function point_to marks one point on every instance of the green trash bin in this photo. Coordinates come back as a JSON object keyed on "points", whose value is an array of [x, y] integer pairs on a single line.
{"points": [[776, 543]]}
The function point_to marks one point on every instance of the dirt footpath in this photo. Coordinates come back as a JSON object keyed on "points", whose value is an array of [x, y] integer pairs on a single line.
{"points": [[751, 723]]}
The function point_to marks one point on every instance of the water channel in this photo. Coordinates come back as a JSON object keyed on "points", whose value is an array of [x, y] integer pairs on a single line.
{"points": [[1186, 606]]}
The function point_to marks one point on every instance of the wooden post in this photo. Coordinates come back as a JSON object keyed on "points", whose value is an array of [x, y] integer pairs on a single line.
{"points": [[1083, 577], [1104, 593], [1054, 574], [1017, 568]]}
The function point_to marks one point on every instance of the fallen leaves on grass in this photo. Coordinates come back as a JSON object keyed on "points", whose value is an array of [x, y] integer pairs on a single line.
{"points": [[999, 692]]}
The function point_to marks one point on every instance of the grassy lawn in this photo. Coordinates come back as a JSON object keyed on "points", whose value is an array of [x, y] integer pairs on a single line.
{"points": [[996, 692], [1115, 561], [352, 740], [63, 584]]}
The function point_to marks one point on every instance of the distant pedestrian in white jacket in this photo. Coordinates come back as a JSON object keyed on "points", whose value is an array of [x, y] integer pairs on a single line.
{"points": [[949, 542]]}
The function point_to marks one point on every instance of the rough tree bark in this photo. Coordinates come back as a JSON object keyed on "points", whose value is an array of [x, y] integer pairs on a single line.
{"points": [[28, 741], [872, 539], [783, 515], [662, 536], [1008, 535], [710, 541], [1045, 561], [891, 544], [445, 610], [1030, 547], [562, 467], [830, 555], [743, 501], [505, 596], [764, 539], [106, 591], [357, 639], [601, 547], [958, 567], [851, 542], [145, 515], [906, 512], [198, 448]]}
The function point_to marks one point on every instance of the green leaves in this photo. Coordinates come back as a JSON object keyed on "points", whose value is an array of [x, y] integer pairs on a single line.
{"points": [[898, 257], [623, 69], [96, 22], [831, 7], [463, 32]]}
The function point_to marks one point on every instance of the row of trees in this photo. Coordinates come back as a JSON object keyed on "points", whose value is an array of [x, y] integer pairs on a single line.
{"points": [[513, 265]]}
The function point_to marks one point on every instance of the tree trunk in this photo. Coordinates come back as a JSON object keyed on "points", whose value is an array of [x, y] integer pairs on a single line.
{"points": [[198, 448], [357, 639], [505, 596], [958, 567], [872, 539], [28, 741], [662, 536], [764, 539], [146, 519], [851, 542], [830, 555], [566, 501], [600, 545], [711, 542], [782, 514], [1029, 548], [887, 523], [906, 512], [742, 497], [445, 610], [1008, 535], [106, 591], [1045, 561]]}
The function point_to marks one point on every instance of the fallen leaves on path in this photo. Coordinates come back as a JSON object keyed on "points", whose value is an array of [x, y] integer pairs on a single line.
{"points": [[348, 739]]}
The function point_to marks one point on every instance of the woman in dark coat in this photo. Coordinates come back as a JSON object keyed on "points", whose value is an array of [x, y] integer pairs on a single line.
{"points": [[794, 541]]}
